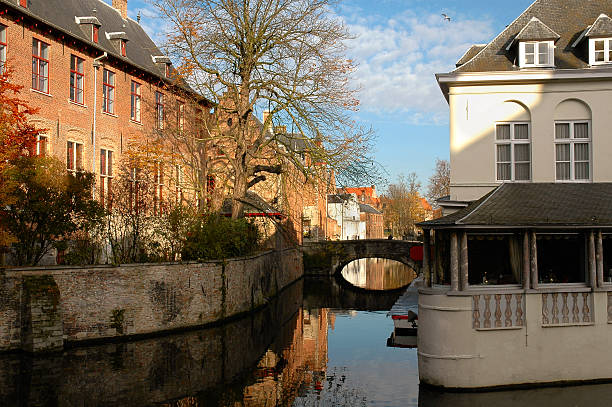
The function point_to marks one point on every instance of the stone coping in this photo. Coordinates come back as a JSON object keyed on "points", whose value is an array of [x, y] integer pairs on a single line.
{"points": [[514, 289], [37, 269]]}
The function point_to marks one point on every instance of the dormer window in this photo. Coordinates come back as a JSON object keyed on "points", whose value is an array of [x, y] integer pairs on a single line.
{"points": [[536, 54], [600, 51], [536, 45], [23, 3], [123, 50], [95, 33]]}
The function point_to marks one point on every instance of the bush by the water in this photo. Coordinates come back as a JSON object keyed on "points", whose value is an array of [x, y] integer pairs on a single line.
{"points": [[219, 237]]}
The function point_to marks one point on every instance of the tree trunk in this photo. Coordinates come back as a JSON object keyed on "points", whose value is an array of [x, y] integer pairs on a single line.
{"points": [[240, 189]]}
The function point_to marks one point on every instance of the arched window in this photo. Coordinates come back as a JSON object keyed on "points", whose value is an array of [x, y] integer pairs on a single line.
{"points": [[513, 143], [573, 142]]}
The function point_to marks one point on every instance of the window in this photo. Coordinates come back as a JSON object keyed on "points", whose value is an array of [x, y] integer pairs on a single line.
{"points": [[135, 99], [134, 203], [108, 81], [74, 156], [41, 145], [181, 117], [179, 184], [495, 260], [573, 151], [3, 46], [106, 177], [123, 51], [77, 79], [23, 3], [40, 66], [561, 258], [536, 53], [95, 33], [158, 198], [600, 51], [159, 110], [512, 152]]}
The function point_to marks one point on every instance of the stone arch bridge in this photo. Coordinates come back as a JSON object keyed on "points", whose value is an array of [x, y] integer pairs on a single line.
{"points": [[329, 257]]}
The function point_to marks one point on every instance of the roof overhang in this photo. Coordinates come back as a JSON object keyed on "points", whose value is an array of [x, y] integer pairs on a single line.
{"points": [[447, 80]]}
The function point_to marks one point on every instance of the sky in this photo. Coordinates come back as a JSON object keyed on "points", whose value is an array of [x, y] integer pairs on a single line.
{"points": [[399, 46]]}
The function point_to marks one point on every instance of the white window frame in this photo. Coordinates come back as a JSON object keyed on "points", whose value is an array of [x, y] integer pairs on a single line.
{"points": [[536, 57], [3, 47], [512, 142], [606, 51], [75, 156], [106, 176], [45, 145], [572, 141]]}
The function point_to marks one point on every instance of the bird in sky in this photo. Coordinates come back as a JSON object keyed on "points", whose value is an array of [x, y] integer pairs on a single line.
{"points": [[447, 18]]}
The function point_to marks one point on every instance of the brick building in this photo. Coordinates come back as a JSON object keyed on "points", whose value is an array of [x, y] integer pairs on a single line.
{"points": [[99, 83]]}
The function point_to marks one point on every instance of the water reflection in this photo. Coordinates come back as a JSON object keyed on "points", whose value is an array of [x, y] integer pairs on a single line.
{"points": [[305, 349], [378, 274]]}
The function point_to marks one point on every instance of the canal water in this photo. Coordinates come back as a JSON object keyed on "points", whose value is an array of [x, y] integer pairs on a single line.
{"points": [[320, 343]]}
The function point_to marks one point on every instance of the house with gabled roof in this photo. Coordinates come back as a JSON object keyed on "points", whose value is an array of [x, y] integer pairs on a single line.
{"points": [[519, 271]]}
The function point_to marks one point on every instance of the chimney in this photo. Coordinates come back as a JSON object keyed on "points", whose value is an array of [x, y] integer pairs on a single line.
{"points": [[121, 5], [266, 114]]}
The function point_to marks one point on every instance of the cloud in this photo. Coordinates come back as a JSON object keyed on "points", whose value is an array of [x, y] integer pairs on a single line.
{"points": [[398, 56]]}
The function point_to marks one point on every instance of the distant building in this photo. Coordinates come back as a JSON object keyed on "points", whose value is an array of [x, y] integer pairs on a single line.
{"points": [[344, 209], [373, 220], [365, 195]]}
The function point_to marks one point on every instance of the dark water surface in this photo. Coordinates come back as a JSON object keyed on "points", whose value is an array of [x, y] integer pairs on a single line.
{"points": [[319, 344]]}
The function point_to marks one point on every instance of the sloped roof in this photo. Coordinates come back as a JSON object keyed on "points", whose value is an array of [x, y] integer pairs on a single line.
{"points": [[368, 209], [536, 30], [601, 28], [470, 53], [61, 14], [537, 205], [567, 18], [338, 198]]}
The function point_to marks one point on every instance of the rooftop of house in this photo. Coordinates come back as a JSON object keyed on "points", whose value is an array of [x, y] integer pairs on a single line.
{"points": [[368, 209], [64, 14], [339, 198], [536, 205], [565, 21]]}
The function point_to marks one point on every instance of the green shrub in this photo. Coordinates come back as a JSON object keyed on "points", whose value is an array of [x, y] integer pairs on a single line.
{"points": [[218, 237]]}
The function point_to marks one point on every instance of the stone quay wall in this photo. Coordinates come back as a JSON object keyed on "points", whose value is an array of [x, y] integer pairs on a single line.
{"points": [[43, 308]]}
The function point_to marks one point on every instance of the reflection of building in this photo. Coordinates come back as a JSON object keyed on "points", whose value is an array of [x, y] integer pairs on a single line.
{"points": [[378, 274], [529, 124]]}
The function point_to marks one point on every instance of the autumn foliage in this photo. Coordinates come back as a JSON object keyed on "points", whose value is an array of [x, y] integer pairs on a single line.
{"points": [[17, 137]]}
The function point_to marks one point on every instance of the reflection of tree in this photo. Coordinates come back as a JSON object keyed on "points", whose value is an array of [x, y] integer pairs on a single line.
{"points": [[337, 393]]}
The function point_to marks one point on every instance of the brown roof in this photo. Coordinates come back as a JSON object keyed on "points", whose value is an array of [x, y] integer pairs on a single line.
{"points": [[470, 53], [536, 30], [568, 18], [601, 28], [537, 204]]}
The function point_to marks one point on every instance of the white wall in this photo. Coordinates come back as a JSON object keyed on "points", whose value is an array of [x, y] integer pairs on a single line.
{"points": [[475, 109]]}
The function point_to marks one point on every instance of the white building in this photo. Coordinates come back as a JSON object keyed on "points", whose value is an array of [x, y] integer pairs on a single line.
{"points": [[344, 209], [519, 289]]}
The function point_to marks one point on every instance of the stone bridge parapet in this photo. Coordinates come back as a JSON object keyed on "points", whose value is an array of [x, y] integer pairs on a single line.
{"points": [[329, 257]]}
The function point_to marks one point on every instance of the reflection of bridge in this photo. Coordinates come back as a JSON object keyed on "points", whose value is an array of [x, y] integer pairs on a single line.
{"points": [[328, 258], [335, 293]]}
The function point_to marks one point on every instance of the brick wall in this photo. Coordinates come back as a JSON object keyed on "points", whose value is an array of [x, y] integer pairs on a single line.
{"points": [[104, 301]]}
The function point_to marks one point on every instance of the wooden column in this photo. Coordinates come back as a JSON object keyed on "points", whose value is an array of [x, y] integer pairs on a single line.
{"points": [[464, 280], [526, 263], [454, 262], [533, 264], [434, 261], [592, 260], [426, 252], [599, 256]]}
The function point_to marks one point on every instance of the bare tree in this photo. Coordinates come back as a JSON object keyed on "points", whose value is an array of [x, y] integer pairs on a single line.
{"points": [[439, 182], [402, 206], [285, 57]]}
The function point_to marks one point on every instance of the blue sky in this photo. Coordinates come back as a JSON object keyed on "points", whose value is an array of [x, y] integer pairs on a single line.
{"points": [[399, 46]]}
